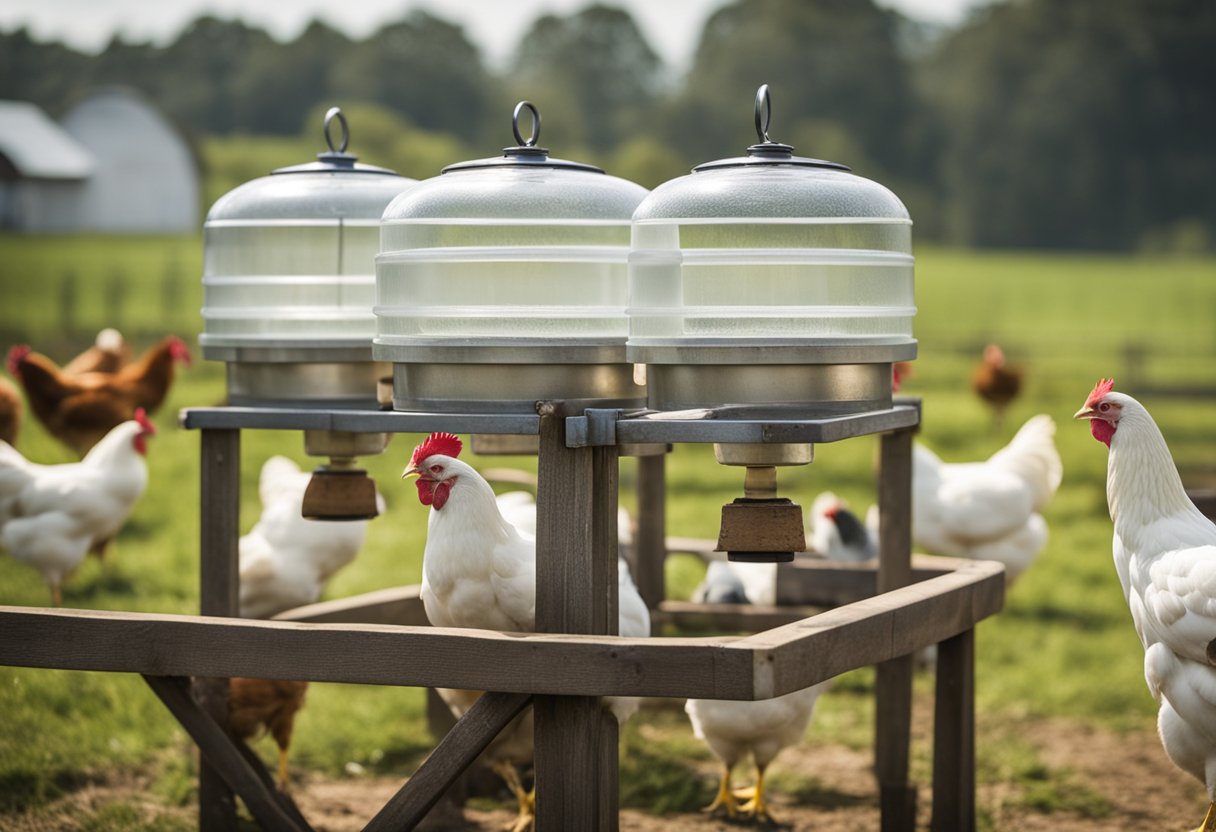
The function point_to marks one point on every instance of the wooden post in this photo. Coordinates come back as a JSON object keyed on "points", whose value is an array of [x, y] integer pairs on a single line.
{"points": [[219, 531], [893, 682], [576, 592], [954, 736], [651, 536]]}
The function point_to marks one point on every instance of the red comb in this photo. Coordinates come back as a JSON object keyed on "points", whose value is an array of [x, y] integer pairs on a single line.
{"points": [[141, 416], [15, 356], [1104, 386], [179, 351], [448, 444]]}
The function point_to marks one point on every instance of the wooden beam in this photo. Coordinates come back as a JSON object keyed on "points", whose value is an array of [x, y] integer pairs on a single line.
{"points": [[651, 534], [576, 592], [395, 605], [954, 736], [219, 531], [809, 651], [455, 752], [893, 679], [219, 749], [730, 618]]}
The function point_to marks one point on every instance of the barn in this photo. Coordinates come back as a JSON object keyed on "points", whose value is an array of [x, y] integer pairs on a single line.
{"points": [[113, 164], [42, 171]]}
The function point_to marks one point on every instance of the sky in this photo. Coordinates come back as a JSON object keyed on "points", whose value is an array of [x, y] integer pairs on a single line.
{"points": [[671, 26]]}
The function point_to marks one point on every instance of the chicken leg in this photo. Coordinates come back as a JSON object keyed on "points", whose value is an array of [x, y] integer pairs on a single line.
{"points": [[755, 807], [726, 798], [525, 798]]}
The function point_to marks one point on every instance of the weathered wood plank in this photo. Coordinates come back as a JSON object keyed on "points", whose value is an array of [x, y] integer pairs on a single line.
{"points": [[218, 748], [395, 605], [808, 651], [651, 535], [219, 531], [730, 618], [576, 592], [893, 678], [455, 752], [954, 736]]}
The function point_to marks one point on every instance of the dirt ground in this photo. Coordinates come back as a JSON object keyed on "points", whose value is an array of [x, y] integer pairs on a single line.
{"points": [[1142, 789]]}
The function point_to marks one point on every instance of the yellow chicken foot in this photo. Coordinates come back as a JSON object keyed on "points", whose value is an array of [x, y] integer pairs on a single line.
{"points": [[756, 806], [726, 798], [525, 798], [1209, 820]]}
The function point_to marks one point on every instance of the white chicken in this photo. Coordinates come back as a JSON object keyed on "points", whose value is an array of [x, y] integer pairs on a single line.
{"points": [[285, 559], [733, 729], [51, 516], [479, 570], [1165, 555], [989, 510], [836, 533]]}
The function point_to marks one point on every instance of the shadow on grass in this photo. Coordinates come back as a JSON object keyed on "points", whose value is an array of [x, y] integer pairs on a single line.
{"points": [[21, 791]]}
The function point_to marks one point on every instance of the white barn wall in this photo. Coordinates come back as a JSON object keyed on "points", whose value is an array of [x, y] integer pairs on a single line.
{"points": [[145, 179]]}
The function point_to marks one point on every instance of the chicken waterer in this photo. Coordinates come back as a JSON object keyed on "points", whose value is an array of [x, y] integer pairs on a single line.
{"points": [[769, 285], [504, 281], [288, 290]]}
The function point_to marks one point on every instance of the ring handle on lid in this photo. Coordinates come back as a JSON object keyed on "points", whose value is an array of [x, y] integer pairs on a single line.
{"points": [[336, 113], [519, 138], [764, 112]]}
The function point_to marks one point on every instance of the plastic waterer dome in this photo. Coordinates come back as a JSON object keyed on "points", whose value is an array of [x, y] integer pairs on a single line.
{"points": [[504, 281], [771, 281], [289, 280]]}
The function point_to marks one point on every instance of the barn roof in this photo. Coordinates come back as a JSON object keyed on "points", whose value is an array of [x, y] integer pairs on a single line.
{"points": [[38, 147]]}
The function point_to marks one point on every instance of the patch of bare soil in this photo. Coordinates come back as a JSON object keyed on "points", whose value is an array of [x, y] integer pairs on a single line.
{"points": [[1137, 786], [1137, 789]]}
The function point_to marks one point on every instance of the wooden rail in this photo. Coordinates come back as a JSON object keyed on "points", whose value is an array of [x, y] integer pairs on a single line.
{"points": [[895, 606], [760, 666]]}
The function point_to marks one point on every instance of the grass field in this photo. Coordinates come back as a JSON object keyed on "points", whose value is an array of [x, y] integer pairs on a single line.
{"points": [[1063, 648]]}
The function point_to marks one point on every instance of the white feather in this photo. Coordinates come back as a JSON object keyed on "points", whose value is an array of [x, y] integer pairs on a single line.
{"points": [[285, 559], [1165, 556], [52, 515]]}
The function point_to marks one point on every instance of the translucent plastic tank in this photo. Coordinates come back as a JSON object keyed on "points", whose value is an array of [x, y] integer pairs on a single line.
{"points": [[503, 281], [770, 279], [289, 280]]}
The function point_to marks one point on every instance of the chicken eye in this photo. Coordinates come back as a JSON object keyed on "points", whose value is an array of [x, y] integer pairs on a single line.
{"points": [[436, 469], [1105, 406]]}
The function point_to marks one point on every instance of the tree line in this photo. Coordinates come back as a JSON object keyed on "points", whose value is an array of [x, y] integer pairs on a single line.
{"points": [[1084, 124]]}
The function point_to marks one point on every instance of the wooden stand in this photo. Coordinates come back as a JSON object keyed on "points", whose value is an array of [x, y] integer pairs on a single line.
{"points": [[880, 616]]}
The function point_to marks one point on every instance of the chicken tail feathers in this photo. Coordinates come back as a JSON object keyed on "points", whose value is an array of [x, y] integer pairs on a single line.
{"points": [[1032, 455]]}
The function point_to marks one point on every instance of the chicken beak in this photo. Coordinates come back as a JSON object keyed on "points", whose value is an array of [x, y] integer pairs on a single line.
{"points": [[411, 472], [1086, 412]]}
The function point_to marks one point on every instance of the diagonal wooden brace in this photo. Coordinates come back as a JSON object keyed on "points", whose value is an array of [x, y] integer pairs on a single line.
{"points": [[220, 750], [455, 752]]}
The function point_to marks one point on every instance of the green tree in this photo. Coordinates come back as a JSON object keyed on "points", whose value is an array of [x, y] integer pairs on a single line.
{"points": [[282, 82], [1085, 124], [200, 72], [593, 67], [824, 61], [425, 68]]}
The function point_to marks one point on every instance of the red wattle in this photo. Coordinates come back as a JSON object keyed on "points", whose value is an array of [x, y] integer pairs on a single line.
{"points": [[440, 495], [1102, 430], [425, 492]]}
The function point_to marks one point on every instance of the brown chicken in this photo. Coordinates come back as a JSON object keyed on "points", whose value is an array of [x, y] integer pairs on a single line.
{"points": [[11, 409], [270, 705], [996, 382], [79, 410], [109, 354]]}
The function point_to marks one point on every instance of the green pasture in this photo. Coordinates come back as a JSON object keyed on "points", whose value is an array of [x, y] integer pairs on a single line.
{"points": [[1063, 647]]}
